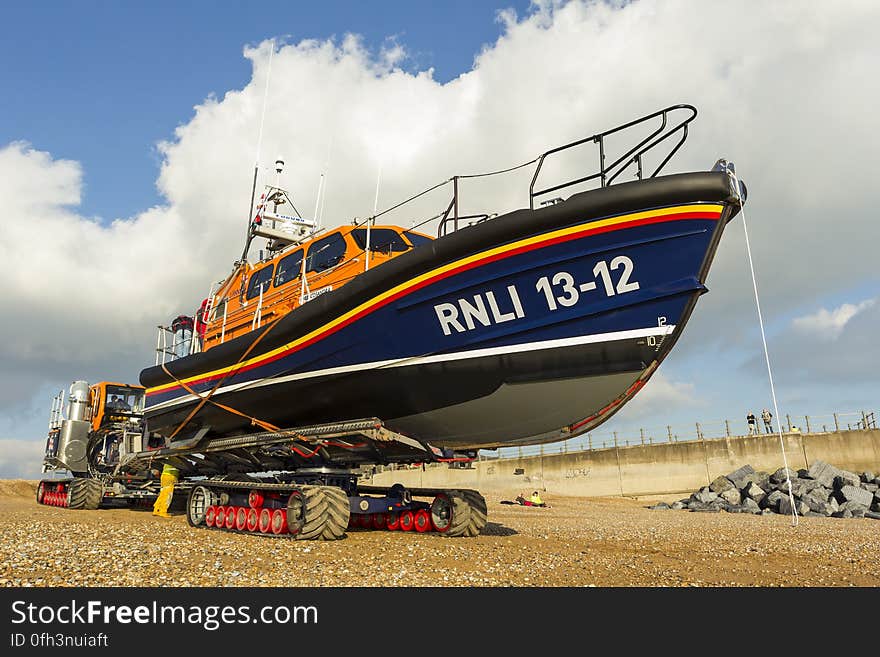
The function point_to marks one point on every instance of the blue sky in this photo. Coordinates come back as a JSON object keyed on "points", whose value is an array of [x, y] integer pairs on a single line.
{"points": [[103, 82], [126, 156]]}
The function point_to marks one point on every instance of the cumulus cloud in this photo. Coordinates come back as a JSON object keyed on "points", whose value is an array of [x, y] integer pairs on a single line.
{"points": [[787, 94], [661, 397], [829, 324], [830, 351], [20, 459]]}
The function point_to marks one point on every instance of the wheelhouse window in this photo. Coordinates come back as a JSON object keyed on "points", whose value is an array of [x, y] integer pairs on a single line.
{"points": [[326, 253], [289, 268], [259, 280], [383, 240], [124, 400], [219, 310], [417, 239]]}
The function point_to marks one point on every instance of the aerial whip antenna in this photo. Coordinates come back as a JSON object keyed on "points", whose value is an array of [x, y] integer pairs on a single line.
{"points": [[318, 197], [320, 213], [372, 219], [257, 159]]}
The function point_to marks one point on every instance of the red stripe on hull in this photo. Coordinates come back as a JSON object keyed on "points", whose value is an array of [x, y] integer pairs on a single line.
{"points": [[713, 216]]}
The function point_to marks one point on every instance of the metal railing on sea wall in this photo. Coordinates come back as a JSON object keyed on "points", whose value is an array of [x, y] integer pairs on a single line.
{"points": [[703, 430], [596, 467], [669, 433]]}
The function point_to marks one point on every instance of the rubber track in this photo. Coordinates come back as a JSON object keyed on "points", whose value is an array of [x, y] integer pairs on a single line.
{"points": [[479, 512], [85, 494], [327, 509]]}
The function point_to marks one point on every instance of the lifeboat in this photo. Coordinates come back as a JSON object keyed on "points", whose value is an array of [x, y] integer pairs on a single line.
{"points": [[532, 326]]}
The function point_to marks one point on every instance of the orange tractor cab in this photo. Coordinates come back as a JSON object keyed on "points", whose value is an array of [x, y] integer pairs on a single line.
{"points": [[93, 431]]}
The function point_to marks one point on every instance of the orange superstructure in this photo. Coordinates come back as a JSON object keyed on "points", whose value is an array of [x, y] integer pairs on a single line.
{"points": [[255, 294]]}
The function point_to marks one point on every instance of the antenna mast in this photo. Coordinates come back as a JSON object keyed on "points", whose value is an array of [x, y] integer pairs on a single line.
{"points": [[257, 160], [372, 219], [322, 187]]}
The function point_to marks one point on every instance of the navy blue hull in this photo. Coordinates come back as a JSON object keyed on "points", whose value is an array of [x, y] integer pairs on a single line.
{"points": [[528, 339]]}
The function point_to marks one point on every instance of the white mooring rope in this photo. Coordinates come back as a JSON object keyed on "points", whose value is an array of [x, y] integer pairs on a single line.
{"points": [[794, 515]]}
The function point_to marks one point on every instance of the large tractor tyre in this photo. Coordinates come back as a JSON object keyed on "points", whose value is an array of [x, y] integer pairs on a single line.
{"points": [[479, 512], [41, 492], [339, 513], [451, 513], [197, 502], [318, 513], [85, 494]]}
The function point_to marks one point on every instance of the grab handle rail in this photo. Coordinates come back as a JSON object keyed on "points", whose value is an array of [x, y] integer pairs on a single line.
{"points": [[607, 174]]}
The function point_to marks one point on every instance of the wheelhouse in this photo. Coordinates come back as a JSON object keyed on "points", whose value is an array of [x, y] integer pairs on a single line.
{"points": [[256, 293]]}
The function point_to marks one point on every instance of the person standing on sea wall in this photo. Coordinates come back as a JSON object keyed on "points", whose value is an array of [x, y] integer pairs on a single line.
{"points": [[767, 416], [753, 423]]}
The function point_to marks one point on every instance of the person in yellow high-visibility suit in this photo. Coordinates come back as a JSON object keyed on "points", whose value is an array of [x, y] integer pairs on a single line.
{"points": [[536, 499], [166, 490]]}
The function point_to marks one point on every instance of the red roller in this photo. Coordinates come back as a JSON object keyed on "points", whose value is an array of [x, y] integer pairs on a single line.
{"points": [[253, 519], [50, 498], [422, 521], [210, 512], [219, 516], [256, 499], [379, 521], [406, 521], [229, 520], [265, 523], [279, 521], [392, 522], [241, 514], [366, 521]]}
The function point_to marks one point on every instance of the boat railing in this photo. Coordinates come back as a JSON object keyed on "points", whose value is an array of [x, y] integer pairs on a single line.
{"points": [[666, 127], [472, 219], [171, 345], [608, 173], [258, 312]]}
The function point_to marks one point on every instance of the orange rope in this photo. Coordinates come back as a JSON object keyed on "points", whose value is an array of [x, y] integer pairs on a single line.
{"points": [[254, 421], [206, 398]]}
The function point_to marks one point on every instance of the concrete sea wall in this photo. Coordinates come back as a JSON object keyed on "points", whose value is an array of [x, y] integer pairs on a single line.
{"points": [[654, 469]]}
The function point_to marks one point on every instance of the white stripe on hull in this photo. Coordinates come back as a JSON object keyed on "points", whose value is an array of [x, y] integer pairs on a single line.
{"points": [[437, 358]]}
